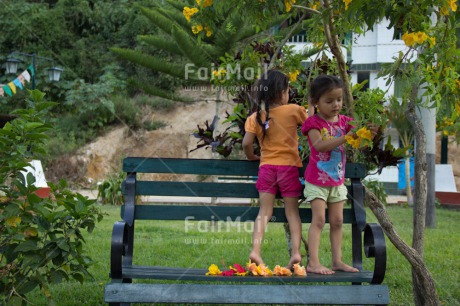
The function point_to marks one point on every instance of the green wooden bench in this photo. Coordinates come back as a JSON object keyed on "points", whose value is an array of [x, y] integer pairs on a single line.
{"points": [[190, 285]]}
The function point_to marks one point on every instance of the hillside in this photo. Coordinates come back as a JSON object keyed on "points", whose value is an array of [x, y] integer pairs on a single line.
{"points": [[102, 157]]}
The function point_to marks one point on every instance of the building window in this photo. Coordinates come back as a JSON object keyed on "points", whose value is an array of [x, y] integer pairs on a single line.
{"points": [[362, 77]]}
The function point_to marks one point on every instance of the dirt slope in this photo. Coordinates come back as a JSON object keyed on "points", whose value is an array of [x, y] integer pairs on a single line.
{"points": [[103, 157]]}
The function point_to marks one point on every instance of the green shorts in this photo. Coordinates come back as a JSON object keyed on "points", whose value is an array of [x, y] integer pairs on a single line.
{"points": [[328, 194]]}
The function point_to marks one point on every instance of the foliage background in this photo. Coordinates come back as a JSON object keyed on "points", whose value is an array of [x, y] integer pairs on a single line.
{"points": [[77, 34]]}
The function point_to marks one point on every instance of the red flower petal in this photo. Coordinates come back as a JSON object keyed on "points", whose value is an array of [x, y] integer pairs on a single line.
{"points": [[228, 273]]}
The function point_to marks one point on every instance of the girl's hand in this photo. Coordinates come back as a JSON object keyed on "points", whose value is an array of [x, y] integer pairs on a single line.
{"points": [[254, 157], [373, 128], [351, 133]]}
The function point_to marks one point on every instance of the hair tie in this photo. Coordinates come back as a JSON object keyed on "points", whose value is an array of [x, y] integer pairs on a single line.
{"points": [[262, 106]]}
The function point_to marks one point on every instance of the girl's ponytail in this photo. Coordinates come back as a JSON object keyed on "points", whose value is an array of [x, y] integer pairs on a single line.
{"points": [[268, 89]]}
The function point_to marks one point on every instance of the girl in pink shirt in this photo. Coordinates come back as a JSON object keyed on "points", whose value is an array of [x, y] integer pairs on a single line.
{"points": [[275, 126], [324, 175]]}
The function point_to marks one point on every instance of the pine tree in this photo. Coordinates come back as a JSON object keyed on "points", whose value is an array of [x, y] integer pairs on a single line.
{"points": [[197, 56]]}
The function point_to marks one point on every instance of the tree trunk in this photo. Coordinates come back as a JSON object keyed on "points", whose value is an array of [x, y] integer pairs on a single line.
{"points": [[410, 199], [420, 194], [425, 285], [334, 43]]}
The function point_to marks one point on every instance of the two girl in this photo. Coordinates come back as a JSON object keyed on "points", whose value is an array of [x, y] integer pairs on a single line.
{"points": [[275, 126]]}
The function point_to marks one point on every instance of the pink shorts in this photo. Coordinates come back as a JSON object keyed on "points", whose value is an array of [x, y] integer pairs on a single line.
{"points": [[284, 179]]}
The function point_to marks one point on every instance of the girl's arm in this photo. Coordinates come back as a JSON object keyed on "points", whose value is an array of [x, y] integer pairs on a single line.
{"points": [[311, 109], [248, 141], [326, 145]]}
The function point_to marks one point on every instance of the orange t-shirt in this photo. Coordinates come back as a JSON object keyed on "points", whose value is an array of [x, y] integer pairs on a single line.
{"points": [[280, 145]]}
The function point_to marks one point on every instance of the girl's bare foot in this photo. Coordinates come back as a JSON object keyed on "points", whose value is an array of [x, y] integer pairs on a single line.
{"points": [[344, 267], [319, 269], [295, 259], [255, 258]]}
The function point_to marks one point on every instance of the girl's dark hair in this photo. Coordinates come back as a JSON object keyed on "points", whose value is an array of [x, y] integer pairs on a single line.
{"points": [[323, 84], [268, 89]]}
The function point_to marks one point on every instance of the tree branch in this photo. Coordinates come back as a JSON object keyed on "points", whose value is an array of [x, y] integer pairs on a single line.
{"points": [[334, 44], [423, 275], [285, 39]]}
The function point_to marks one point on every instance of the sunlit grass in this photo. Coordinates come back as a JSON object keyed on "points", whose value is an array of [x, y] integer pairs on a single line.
{"points": [[172, 244]]}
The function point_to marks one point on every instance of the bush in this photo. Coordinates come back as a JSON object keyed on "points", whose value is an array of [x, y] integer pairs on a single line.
{"points": [[109, 191], [41, 238]]}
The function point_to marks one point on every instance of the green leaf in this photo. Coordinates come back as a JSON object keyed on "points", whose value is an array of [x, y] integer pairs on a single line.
{"points": [[27, 246], [44, 105], [78, 277], [57, 276], [27, 286]]}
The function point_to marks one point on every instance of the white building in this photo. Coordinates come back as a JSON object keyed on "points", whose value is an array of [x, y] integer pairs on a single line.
{"points": [[368, 52]]}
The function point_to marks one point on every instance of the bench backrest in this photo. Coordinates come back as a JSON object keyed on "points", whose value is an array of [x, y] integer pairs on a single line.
{"points": [[233, 179]]}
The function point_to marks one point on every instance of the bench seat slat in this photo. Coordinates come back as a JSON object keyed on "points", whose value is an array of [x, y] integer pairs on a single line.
{"points": [[217, 213], [232, 294], [168, 273]]}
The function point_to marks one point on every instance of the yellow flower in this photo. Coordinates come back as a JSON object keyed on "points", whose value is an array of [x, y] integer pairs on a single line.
{"points": [[293, 75], [352, 141], [299, 270], [213, 270], [432, 41], [444, 11], [281, 271], [197, 29], [189, 12], [206, 3], [347, 2], [315, 5], [453, 5], [457, 108], [258, 270], [263, 270], [364, 133], [288, 4], [220, 72], [208, 31], [420, 37], [13, 221], [409, 39]]}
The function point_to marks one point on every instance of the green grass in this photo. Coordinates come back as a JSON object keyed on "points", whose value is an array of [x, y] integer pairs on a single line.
{"points": [[166, 243]]}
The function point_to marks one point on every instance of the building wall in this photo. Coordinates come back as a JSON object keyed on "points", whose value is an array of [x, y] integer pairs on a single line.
{"points": [[377, 46]]}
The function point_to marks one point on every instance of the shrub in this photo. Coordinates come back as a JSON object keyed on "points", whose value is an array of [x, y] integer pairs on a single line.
{"points": [[109, 191], [41, 239]]}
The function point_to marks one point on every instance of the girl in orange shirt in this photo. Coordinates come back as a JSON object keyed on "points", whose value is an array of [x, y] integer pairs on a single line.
{"points": [[275, 126]]}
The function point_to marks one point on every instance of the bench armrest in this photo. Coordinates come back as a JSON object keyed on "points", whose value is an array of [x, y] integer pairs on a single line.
{"points": [[375, 246], [119, 252]]}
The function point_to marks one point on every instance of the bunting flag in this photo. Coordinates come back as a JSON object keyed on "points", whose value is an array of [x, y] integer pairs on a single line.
{"points": [[21, 79], [13, 87], [32, 71], [17, 83], [7, 90], [26, 75]]}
